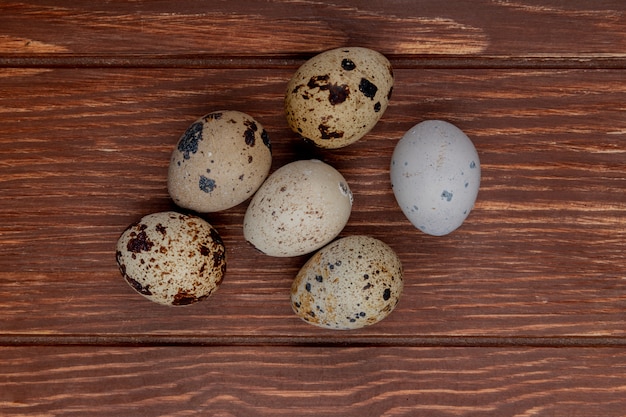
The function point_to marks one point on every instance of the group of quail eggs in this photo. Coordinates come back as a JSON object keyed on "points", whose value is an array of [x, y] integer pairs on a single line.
{"points": [[224, 158]]}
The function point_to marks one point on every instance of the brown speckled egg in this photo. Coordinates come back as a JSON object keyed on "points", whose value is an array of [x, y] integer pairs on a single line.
{"points": [[353, 282], [301, 207], [338, 96], [172, 258], [219, 162]]}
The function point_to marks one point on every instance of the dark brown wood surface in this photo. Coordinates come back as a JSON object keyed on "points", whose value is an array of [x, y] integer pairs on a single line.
{"points": [[520, 312]]}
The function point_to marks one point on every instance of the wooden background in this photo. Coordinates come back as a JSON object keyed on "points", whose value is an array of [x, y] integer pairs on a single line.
{"points": [[520, 312]]}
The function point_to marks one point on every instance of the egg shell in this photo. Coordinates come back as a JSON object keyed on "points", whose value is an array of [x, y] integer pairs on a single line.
{"points": [[338, 96], [171, 258], [435, 175], [351, 283], [219, 162], [301, 207]]}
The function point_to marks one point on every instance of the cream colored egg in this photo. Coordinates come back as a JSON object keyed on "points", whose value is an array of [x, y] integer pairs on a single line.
{"points": [[172, 258], [351, 283], [219, 162], [301, 207], [338, 96]]}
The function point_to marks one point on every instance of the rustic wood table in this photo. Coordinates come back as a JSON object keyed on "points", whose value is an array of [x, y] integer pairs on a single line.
{"points": [[520, 312]]}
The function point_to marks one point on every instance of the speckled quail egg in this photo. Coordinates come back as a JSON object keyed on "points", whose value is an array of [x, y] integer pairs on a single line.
{"points": [[172, 258], [435, 175], [353, 282], [219, 162], [338, 96], [301, 207]]}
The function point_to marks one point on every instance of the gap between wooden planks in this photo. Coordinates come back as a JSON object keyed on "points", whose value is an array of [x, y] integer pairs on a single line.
{"points": [[293, 61], [313, 341]]}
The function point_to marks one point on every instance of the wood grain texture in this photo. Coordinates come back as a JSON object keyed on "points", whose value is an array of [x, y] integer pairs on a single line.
{"points": [[271, 381], [540, 255], [226, 28], [520, 312]]}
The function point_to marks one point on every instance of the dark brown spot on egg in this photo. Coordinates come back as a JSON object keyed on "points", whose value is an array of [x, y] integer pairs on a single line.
{"points": [[140, 242], [249, 137], [219, 257], [348, 64], [161, 229], [368, 88], [249, 134], [337, 94], [266, 140], [329, 134], [218, 282], [251, 124], [213, 116], [206, 184], [318, 81], [122, 266], [183, 298], [215, 236], [145, 290], [188, 143]]}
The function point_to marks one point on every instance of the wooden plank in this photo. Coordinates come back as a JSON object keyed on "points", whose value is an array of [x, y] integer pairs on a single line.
{"points": [[432, 27], [84, 153], [275, 381], [520, 312]]}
